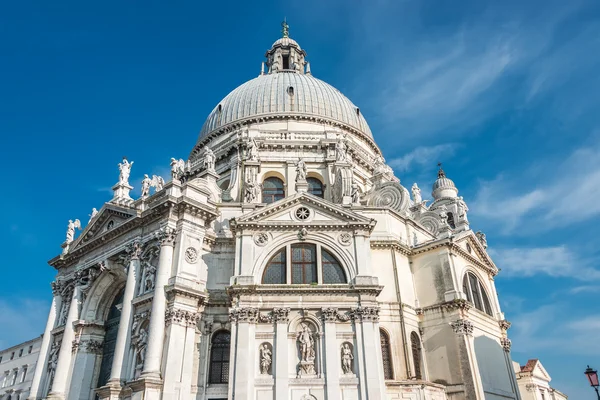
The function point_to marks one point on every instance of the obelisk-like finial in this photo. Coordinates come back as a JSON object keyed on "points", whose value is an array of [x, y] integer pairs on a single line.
{"points": [[286, 29]]}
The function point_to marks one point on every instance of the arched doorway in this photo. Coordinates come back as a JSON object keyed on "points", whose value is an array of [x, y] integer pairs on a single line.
{"points": [[110, 339]]}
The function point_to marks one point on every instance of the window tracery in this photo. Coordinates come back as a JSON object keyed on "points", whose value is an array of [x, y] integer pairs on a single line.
{"points": [[309, 263]]}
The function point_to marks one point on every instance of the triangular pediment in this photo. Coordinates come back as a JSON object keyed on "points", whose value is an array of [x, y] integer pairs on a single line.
{"points": [[108, 218], [304, 209], [471, 245], [540, 372]]}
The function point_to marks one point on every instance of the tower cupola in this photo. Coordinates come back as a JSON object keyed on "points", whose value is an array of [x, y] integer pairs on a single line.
{"points": [[286, 55], [443, 187]]}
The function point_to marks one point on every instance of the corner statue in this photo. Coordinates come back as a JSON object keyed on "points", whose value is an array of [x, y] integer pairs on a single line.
{"points": [[71, 230], [124, 171]]}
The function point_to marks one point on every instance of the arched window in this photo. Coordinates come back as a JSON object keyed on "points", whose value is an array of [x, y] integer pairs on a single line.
{"points": [[332, 270], [219, 357], [275, 271], [315, 187], [451, 220], [272, 190], [309, 264], [475, 292], [386, 355], [415, 343]]}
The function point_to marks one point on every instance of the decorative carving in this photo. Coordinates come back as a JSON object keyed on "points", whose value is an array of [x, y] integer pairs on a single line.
{"points": [[53, 360], [137, 320], [149, 277], [504, 325], [124, 171], [347, 358], [462, 327], [457, 304], [281, 315], [166, 236], [252, 150], [265, 358], [261, 238], [345, 238], [355, 192], [251, 190], [329, 314], [134, 250], [74, 346], [301, 171], [191, 255], [146, 183], [181, 317], [265, 318], [245, 314], [462, 209], [306, 343], [389, 194], [368, 314], [177, 168], [71, 230], [209, 159], [140, 343], [302, 233], [343, 184], [302, 213], [482, 239], [341, 149], [91, 346], [416, 193], [506, 344]]}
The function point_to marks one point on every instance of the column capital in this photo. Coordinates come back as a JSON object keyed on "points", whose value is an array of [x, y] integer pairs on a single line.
{"points": [[281, 315], [134, 249], [188, 319], [504, 325], [329, 314], [166, 236], [244, 314], [462, 327], [368, 314]]}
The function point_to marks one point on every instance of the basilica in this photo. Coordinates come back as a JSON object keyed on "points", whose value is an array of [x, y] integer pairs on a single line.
{"points": [[282, 259]]}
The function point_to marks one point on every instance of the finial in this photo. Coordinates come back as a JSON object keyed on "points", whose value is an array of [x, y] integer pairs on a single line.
{"points": [[286, 28], [441, 173], [262, 68], [308, 68]]}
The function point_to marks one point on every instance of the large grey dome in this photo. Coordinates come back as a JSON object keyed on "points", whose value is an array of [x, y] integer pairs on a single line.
{"points": [[285, 94]]}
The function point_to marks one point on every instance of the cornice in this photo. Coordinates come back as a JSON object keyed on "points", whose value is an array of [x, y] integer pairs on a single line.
{"points": [[295, 290], [394, 244]]}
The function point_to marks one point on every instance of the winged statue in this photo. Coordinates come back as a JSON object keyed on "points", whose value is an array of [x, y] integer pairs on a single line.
{"points": [[71, 229]]}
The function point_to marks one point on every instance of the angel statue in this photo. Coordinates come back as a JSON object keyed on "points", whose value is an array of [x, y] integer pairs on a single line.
{"points": [[71, 230], [157, 183], [177, 168], [301, 171], [209, 159], [124, 171], [146, 183]]}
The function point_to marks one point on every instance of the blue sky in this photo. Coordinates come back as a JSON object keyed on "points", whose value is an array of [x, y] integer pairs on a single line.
{"points": [[506, 94]]}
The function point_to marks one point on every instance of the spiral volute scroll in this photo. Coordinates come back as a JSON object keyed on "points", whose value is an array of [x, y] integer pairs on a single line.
{"points": [[392, 195], [431, 221]]}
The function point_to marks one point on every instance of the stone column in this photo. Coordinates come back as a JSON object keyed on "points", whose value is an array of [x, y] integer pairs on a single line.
{"points": [[468, 363], [243, 385], [157, 317], [280, 372], [181, 335], [332, 354], [61, 375], [368, 317], [134, 251], [88, 352], [34, 391]]}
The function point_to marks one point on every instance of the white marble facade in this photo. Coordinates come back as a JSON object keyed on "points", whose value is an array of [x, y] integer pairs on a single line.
{"points": [[282, 260]]}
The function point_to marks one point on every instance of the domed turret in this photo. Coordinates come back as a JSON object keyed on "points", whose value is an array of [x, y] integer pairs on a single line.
{"points": [[443, 187]]}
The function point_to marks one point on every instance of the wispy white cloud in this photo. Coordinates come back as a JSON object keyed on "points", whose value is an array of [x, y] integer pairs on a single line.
{"points": [[560, 194], [423, 156], [558, 261], [25, 317], [585, 289]]}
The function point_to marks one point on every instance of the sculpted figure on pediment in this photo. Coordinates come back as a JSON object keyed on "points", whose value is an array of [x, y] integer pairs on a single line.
{"points": [[124, 171], [177, 168], [157, 182], [416, 192], [71, 230], [93, 214], [146, 183]]}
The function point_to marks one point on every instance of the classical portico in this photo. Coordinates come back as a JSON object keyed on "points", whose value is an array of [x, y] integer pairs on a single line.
{"points": [[282, 259]]}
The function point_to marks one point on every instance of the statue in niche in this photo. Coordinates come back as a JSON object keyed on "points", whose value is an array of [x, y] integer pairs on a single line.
{"points": [[416, 192], [341, 149], [71, 230], [307, 350], [124, 171], [301, 171], [265, 359], [355, 192], [149, 280], [146, 183], [141, 343], [251, 190], [53, 361], [209, 159], [252, 150], [347, 358]]}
